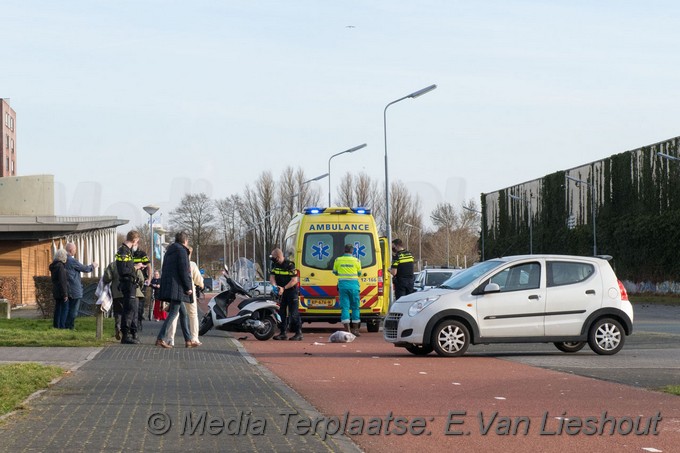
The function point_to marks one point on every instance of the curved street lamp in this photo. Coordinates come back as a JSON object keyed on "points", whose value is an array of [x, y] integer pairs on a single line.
{"points": [[413, 95], [351, 150]]}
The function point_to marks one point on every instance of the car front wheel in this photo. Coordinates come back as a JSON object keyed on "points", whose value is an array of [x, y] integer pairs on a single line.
{"points": [[450, 338], [606, 336], [570, 346]]}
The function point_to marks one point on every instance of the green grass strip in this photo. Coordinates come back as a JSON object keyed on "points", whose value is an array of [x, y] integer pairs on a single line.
{"points": [[19, 380], [39, 332]]}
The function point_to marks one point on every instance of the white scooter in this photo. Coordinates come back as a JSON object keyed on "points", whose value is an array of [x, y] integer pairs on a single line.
{"points": [[257, 315]]}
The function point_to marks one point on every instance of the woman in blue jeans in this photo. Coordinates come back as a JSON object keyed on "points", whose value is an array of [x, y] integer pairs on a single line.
{"points": [[176, 307]]}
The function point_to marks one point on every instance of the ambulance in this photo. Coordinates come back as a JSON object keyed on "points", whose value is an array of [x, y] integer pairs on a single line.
{"points": [[314, 238]]}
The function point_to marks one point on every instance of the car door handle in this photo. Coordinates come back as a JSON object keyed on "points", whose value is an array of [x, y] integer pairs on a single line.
{"points": [[534, 297], [590, 292]]}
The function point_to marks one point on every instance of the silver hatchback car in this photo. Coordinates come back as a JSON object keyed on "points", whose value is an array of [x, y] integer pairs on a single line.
{"points": [[566, 300]]}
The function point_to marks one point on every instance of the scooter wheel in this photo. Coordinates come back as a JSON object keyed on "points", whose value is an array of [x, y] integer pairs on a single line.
{"points": [[268, 329], [206, 324]]}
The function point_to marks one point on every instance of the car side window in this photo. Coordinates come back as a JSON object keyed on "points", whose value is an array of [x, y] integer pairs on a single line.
{"points": [[437, 278], [567, 273], [518, 278]]}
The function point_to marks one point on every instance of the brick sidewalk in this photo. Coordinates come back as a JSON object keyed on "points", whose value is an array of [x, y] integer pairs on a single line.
{"points": [[114, 402]]}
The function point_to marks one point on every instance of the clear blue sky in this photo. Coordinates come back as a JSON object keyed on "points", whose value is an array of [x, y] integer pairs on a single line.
{"points": [[211, 93]]}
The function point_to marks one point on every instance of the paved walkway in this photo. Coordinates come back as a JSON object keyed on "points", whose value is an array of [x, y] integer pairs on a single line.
{"points": [[144, 398]]}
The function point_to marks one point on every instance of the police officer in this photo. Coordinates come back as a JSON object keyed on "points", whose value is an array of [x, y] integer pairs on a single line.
{"points": [[284, 275], [402, 269], [127, 276], [140, 256]]}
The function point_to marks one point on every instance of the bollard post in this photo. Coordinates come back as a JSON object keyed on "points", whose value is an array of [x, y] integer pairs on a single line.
{"points": [[5, 309], [100, 323]]}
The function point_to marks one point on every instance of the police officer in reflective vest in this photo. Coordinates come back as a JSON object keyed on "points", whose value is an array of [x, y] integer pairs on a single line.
{"points": [[348, 269], [284, 275], [127, 276], [402, 269]]}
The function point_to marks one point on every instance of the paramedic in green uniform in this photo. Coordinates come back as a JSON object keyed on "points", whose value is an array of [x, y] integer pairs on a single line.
{"points": [[348, 270]]}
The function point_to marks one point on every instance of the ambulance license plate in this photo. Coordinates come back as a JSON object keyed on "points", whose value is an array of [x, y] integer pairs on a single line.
{"points": [[321, 302]]}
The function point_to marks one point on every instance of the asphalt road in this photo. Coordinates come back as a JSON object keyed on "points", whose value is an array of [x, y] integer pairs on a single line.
{"points": [[649, 359]]}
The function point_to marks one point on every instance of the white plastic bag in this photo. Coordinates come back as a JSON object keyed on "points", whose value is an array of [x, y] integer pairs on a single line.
{"points": [[341, 336]]}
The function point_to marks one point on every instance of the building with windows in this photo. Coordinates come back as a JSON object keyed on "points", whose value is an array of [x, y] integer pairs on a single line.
{"points": [[30, 232], [8, 139]]}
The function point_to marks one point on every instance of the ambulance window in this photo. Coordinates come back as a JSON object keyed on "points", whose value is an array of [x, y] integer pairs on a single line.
{"points": [[319, 251], [363, 248], [289, 247]]}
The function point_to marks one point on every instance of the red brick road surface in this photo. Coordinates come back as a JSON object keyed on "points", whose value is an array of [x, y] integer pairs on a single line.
{"points": [[466, 404]]}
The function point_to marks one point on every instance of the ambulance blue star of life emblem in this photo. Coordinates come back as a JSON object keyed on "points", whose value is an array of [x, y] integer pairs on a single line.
{"points": [[359, 250], [320, 251]]}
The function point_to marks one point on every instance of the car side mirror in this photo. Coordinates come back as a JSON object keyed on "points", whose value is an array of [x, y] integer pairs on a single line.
{"points": [[492, 288]]}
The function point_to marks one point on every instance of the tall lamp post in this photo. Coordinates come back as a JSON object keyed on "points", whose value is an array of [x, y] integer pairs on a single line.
{"points": [[151, 210], [481, 230], [592, 202], [413, 95], [531, 232], [420, 243], [351, 150]]}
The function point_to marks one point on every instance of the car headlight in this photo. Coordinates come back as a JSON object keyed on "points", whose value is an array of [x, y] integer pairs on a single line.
{"points": [[420, 305]]}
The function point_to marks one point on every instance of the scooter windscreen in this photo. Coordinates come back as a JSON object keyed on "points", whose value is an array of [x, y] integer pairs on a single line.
{"points": [[237, 287]]}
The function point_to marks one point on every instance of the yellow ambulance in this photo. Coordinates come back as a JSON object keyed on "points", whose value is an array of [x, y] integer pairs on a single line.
{"points": [[314, 238]]}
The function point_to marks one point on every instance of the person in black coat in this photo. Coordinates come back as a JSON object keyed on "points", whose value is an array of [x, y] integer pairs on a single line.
{"points": [[59, 288], [177, 288]]}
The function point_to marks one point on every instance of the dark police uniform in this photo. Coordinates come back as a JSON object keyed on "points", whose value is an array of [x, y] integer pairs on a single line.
{"points": [[402, 261], [290, 316], [141, 257], [127, 277]]}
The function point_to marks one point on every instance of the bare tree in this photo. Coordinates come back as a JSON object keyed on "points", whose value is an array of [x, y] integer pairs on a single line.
{"points": [[359, 190], [295, 194], [195, 215], [444, 218], [405, 209], [259, 205], [458, 230], [228, 217]]}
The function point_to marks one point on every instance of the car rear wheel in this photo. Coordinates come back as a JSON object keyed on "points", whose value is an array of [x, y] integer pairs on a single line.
{"points": [[606, 336], [450, 338], [373, 325], [570, 346], [419, 349]]}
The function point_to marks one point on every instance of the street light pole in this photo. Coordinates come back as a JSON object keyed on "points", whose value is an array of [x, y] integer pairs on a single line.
{"points": [[481, 229], [388, 229], [531, 238], [151, 210], [420, 243], [592, 202], [351, 150]]}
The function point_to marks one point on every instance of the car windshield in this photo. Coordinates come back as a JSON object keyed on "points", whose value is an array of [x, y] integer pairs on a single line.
{"points": [[464, 278]]}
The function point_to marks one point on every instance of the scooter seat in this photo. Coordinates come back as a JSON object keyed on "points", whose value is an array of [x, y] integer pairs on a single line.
{"points": [[245, 302]]}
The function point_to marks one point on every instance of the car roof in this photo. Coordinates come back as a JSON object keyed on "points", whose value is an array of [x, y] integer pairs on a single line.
{"points": [[552, 257]]}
